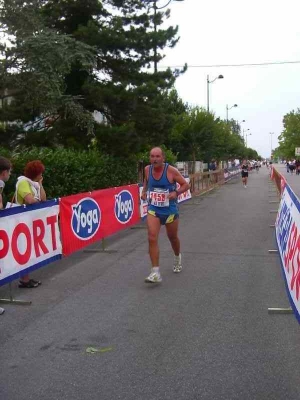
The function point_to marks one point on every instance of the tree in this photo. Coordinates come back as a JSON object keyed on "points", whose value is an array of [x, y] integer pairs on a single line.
{"points": [[290, 136], [100, 59], [193, 134], [34, 67]]}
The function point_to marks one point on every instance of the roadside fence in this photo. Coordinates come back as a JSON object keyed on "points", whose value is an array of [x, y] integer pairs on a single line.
{"points": [[287, 232]]}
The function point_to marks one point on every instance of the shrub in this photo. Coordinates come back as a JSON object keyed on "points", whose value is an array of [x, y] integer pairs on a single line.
{"points": [[69, 172]]}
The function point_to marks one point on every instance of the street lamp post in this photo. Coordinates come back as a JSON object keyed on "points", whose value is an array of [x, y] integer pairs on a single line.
{"points": [[155, 26], [245, 130], [208, 83], [247, 134], [239, 126], [271, 133], [229, 108]]}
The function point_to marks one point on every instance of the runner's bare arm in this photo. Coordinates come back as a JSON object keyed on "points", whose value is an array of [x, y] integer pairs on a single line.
{"points": [[145, 184], [1, 202], [178, 178]]}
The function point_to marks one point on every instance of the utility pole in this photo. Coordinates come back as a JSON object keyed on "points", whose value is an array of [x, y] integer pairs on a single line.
{"points": [[155, 37]]}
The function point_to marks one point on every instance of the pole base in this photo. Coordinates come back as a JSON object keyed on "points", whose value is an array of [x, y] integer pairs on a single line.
{"points": [[100, 251], [16, 302], [280, 310]]}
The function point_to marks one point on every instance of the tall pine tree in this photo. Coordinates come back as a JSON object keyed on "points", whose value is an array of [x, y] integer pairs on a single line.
{"points": [[118, 82]]}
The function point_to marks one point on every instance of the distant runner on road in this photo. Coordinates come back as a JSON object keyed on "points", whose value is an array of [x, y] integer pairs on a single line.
{"points": [[160, 190], [244, 173]]}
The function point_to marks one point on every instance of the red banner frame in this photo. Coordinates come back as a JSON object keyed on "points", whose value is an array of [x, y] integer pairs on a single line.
{"points": [[89, 217]]}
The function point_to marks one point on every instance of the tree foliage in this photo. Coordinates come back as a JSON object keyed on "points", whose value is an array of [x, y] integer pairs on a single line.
{"points": [[70, 58], [290, 136], [66, 59], [198, 135]]}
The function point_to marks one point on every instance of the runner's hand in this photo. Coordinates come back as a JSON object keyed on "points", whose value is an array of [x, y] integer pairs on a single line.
{"points": [[144, 196], [173, 195]]}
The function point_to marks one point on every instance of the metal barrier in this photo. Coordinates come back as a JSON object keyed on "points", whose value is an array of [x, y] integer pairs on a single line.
{"points": [[277, 178], [203, 181]]}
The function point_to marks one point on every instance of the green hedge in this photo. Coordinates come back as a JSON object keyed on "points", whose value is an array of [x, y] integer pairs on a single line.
{"points": [[69, 172]]}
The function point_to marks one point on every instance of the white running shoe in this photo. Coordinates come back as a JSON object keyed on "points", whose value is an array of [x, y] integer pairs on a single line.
{"points": [[154, 277], [177, 264]]}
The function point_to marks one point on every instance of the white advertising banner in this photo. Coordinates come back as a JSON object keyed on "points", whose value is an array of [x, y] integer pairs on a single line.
{"points": [[186, 195], [288, 241], [229, 174], [29, 239]]}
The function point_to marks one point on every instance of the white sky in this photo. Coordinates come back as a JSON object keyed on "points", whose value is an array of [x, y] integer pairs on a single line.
{"points": [[237, 32]]}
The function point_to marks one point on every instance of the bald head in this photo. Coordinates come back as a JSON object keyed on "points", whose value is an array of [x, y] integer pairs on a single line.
{"points": [[157, 156], [157, 150]]}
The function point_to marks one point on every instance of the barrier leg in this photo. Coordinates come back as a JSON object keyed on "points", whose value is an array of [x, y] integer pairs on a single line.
{"points": [[11, 299], [287, 310]]}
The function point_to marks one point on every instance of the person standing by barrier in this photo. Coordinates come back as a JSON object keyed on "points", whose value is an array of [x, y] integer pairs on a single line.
{"points": [[292, 167], [5, 171], [297, 166], [160, 189], [29, 190], [244, 168]]}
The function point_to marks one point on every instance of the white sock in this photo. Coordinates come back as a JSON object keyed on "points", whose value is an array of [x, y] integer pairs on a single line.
{"points": [[156, 270], [178, 258]]}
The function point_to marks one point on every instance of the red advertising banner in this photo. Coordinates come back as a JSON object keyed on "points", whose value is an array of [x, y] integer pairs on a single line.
{"points": [[88, 217]]}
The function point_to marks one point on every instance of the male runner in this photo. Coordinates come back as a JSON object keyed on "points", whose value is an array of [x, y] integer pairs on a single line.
{"points": [[160, 189]]}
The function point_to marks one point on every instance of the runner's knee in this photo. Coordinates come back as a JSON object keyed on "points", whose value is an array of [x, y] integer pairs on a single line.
{"points": [[152, 237]]}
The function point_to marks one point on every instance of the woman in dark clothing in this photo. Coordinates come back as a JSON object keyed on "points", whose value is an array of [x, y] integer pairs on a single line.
{"points": [[244, 173]]}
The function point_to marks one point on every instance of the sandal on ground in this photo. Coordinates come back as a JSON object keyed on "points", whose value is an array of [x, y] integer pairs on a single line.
{"points": [[28, 285]]}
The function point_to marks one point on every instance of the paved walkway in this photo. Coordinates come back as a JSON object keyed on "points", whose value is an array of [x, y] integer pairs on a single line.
{"points": [[202, 334]]}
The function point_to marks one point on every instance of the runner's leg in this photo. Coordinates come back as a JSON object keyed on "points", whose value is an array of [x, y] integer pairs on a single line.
{"points": [[153, 232], [172, 232]]}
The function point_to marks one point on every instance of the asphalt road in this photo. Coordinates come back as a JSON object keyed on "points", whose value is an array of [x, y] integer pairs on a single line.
{"points": [[202, 334]]}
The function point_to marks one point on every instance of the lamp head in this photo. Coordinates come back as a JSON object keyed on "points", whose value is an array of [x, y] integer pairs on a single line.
{"points": [[220, 76], [235, 105]]}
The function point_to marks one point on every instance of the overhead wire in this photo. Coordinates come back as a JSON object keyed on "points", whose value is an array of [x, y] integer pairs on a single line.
{"points": [[231, 65]]}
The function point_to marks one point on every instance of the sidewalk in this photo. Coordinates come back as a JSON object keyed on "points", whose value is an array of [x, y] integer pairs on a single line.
{"points": [[202, 334]]}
